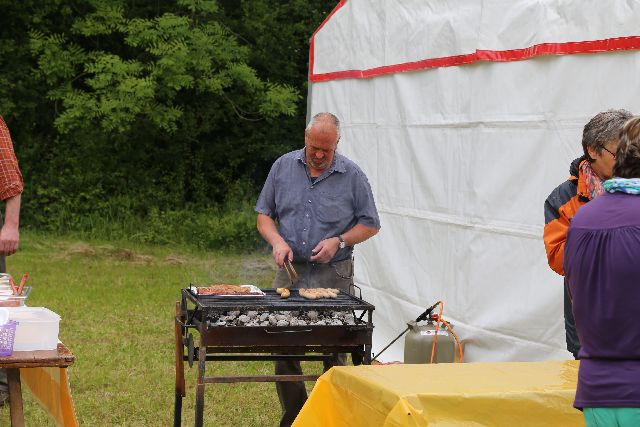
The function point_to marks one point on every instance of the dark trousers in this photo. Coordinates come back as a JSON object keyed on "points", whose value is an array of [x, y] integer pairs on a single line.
{"points": [[293, 395], [573, 341], [339, 275]]}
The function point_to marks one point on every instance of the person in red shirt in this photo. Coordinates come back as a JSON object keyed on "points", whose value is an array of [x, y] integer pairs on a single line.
{"points": [[11, 186]]}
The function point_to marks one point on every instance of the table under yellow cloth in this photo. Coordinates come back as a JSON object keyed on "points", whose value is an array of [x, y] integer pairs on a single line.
{"points": [[460, 394]]}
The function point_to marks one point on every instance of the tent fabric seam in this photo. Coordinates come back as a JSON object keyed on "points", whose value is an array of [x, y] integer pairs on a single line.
{"points": [[482, 224]]}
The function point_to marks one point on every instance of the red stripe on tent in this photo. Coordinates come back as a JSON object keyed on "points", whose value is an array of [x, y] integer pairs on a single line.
{"points": [[398, 68], [313, 37], [567, 48]]}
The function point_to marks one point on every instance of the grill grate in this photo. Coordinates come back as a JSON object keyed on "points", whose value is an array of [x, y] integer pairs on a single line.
{"points": [[272, 302]]}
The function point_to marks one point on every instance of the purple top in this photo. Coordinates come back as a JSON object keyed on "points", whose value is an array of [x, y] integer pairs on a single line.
{"points": [[602, 266]]}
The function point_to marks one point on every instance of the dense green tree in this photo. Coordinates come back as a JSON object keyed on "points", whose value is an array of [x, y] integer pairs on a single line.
{"points": [[278, 34], [163, 89], [134, 108]]}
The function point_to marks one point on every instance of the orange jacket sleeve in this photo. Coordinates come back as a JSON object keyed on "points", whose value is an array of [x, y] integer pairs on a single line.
{"points": [[555, 236], [559, 208]]}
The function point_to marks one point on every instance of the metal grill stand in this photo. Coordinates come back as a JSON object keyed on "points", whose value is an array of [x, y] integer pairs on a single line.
{"points": [[255, 343]]}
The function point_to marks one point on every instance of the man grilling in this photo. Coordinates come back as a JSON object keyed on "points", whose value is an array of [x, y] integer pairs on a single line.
{"points": [[324, 206]]}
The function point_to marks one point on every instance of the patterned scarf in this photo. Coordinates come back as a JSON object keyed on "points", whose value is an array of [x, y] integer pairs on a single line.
{"points": [[593, 181], [623, 185]]}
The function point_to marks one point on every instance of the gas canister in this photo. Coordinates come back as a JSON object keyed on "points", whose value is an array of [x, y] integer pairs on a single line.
{"points": [[418, 344]]}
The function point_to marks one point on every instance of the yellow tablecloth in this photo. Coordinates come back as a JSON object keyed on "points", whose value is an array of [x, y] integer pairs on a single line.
{"points": [[494, 394], [50, 387]]}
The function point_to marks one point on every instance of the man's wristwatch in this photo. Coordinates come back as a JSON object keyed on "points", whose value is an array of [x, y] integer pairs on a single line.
{"points": [[342, 243]]}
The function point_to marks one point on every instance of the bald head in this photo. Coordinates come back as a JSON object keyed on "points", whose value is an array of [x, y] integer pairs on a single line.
{"points": [[321, 140], [325, 124]]}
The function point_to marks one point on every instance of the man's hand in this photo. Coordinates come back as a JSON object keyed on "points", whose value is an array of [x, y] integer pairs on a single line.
{"points": [[268, 230], [325, 250], [282, 251], [9, 238]]}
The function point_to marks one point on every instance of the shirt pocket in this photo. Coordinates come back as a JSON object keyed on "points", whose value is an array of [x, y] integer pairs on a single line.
{"points": [[333, 208]]}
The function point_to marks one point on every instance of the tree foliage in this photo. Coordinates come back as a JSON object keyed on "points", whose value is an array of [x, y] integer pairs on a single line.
{"points": [[132, 107]]}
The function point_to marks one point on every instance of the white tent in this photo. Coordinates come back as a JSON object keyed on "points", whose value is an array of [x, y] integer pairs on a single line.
{"points": [[464, 115]]}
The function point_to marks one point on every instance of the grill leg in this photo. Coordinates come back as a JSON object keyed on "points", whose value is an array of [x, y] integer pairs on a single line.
{"points": [[177, 411], [180, 388], [367, 354], [202, 358]]}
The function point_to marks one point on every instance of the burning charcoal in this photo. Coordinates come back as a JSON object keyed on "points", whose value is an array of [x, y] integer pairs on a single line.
{"points": [[302, 322], [252, 314], [349, 319], [293, 321], [221, 323], [244, 318], [264, 323], [272, 319], [280, 317], [264, 316], [282, 323], [234, 313], [231, 318], [320, 322], [312, 315]]}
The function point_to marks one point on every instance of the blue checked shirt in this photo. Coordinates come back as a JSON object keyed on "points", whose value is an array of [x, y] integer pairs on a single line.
{"points": [[308, 211]]}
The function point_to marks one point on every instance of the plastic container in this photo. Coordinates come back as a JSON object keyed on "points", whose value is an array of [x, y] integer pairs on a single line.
{"points": [[7, 338], [7, 299], [4, 279], [37, 329]]}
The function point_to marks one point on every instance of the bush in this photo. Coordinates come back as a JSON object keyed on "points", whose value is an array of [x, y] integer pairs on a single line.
{"points": [[230, 227]]}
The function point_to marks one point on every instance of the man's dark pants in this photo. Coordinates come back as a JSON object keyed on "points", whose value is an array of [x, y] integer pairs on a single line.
{"points": [[338, 275]]}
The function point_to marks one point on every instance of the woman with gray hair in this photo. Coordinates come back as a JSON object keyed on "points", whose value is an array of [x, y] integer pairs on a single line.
{"points": [[603, 273], [586, 176]]}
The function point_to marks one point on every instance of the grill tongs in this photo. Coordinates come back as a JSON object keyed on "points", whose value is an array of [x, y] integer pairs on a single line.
{"points": [[291, 272]]}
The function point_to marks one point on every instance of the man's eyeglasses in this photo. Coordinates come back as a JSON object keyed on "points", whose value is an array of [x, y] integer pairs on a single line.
{"points": [[608, 151]]}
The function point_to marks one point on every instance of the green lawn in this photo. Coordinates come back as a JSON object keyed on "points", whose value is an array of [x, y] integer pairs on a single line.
{"points": [[117, 303]]}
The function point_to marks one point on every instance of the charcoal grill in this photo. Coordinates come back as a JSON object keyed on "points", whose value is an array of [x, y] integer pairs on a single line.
{"points": [[249, 343]]}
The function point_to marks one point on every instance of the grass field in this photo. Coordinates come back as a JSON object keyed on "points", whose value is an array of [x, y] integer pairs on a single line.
{"points": [[117, 305]]}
